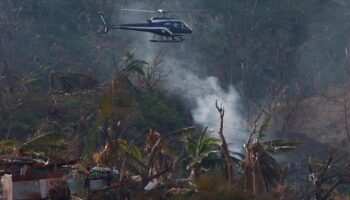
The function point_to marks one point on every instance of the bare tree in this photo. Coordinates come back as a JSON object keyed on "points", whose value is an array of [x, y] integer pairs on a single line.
{"points": [[224, 146], [154, 73], [326, 176]]}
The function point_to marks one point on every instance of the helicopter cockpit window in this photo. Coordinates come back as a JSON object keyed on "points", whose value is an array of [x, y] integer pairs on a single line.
{"points": [[182, 26]]}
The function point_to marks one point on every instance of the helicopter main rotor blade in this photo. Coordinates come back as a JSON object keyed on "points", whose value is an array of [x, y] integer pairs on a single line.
{"points": [[137, 10], [163, 11]]}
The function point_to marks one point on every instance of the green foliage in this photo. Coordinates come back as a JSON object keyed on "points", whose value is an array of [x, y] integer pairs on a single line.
{"points": [[264, 127], [125, 100], [159, 112], [201, 146], [10, 147], [270, 169], [132, 156]]}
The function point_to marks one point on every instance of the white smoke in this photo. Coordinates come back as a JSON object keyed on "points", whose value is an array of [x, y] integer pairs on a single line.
{"points": [[206, 114], [203, 93]]}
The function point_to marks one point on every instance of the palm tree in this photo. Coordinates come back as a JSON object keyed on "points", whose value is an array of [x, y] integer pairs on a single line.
{"points": [[261, 171], [200, 148], [118, 151], [61, 80], [127, 152], [131, 65], [127, 68]]}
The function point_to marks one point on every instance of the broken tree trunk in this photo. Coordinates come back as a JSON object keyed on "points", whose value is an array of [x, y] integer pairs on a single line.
{"points": [[224, 146]]}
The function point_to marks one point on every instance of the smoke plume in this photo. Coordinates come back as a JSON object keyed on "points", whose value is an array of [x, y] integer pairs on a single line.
{"points": [[203, 93]]}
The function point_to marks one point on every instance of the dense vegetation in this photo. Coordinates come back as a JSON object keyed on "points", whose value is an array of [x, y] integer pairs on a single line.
{"points": [[116, 100]]}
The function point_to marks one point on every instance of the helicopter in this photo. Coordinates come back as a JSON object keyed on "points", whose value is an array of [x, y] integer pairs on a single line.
{"points": [[164, 29]]}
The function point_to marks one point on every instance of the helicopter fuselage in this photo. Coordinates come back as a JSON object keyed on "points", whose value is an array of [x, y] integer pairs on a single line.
{"points": [[171, 29], [163, 26]]}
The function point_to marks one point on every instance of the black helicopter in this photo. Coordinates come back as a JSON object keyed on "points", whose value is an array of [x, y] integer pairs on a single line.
{"points": [[167, 28]]}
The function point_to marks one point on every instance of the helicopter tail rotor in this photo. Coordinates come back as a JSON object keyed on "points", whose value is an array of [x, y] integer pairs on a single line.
{"points": [[104, 22]]}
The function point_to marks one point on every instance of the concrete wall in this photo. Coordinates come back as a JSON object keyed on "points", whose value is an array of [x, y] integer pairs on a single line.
{"points": [[31, 186]]}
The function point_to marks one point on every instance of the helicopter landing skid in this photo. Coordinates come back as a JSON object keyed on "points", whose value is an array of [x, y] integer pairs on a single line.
{"points": [[168, 39]]}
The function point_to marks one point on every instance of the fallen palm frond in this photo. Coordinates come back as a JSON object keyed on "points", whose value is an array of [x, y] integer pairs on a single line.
{"points": [[281, 145], [67, 82], [45, 145], [47, 138]]}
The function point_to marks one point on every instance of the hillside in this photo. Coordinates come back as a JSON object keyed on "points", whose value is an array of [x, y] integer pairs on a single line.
{"points": [[279, 70]]}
